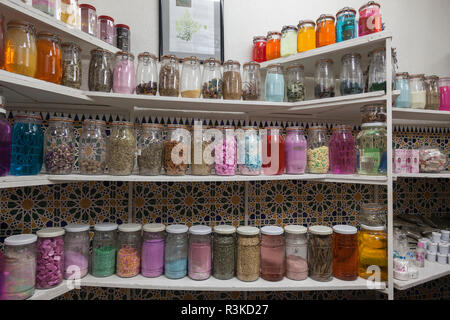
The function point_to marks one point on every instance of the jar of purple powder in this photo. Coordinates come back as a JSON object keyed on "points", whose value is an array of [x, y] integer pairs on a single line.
{"points": [[50, 258], [76, 251], [152, 259], [226, 153]]}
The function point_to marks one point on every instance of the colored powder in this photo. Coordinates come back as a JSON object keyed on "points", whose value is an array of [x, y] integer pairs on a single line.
{"points": [[200, 260], [128, 262], [295, 153], [50, 262], [75, 265], [152, 258], [124, 75], [274, 87], [226, 157], [104, 262], [445, 98], [296, 268], [176, 269]]}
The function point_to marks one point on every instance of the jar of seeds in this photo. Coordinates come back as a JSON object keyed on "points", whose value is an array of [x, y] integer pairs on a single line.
{"points": [[59, 148], [295, 83], [100, 71], [251, 82], [169, 76], [212, 87], [150, 149], [201, 165], [122, 148], [71, 60], [224, 252], [92, 158], [147, 74], [248, 255], [177, 150], [232, 82]]}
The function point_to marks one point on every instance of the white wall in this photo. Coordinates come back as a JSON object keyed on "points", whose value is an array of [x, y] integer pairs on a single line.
{"points": [[420, 28]]}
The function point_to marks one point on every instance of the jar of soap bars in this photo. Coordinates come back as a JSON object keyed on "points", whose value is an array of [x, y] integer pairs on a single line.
{"points": [[296, 252], [200, 252], [20, 48], [351, 74], [201, 163], [104, 250], [150, 149], [176, 251], [251, 81], [371, 147], [93, 151], [417, 91], [324, 81], [69, 13], [121, 148], [226, 152], [50, 258], [249, 151], [212, 87], [191, 78], [433, 94], [129, 250], [320, 253], [59, 149], [318, 150], [177, 150], [346, 25], [76, 251], [147, 74], [288, 45]]}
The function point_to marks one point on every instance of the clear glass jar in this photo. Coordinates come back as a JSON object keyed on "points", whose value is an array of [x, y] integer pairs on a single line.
{"points": [[100, 71], [417, 91], [402, 84], [318, 150], [199, 261], [377, 70], [372, 214], [106, 29], [306, 39], [373, 113], [275, 83], [273, 152], [89, 21], [123, 37], [153, 241], [288, 44], [21, 49], [444, 89], [150, 149], [129, 250], [226, 153], [324, 81], [320, 253], [295, 83], [273, 253], [122, 149], [177, 150], [50, 258], [249, 152], [232, 82], [76, 251], [273, 46], [212, 87], [346, 24], [46, 6], [372, 251], [433, 95], [295, 146], [296, 252], [71, 65], [147, 74], [93, 148], [259, 49], [19, 266], [325, 30], [104, 250], [169, 77], [371, 147], [248, 254], [342, 150], [369, 19], [176, 251], [224, 252], [5, 141], [352, 80], [345, 252], [59, 149], [202, 165], [124, 76], [2, 41], [27, 145], [49, 58], [191, 78], [69, 13], [251, 81]]}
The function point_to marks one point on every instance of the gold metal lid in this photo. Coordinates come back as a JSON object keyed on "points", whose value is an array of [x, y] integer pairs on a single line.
{"points": [[232, 62], [324, 61], [251, 64], [122, 123], [295, 66], [147, 55], [60, 119]]}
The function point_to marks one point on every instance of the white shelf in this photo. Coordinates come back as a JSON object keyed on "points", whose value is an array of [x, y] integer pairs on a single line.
{"points": [[421, 116], [432, 271], [442, 175], [52, 293], [24, 181]]}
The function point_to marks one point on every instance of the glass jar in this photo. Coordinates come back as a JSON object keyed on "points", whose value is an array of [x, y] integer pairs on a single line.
{"points": [[346, 25], [259, 49], [27, 145], [49, 58], [150, 149], [371, 147], [251, 81], [50, 258], [288, 44], [444, 89], [342, 150], [369, 19], [89, 19], [433, 97], [93, 148], [275, 83], [21, 50], [100, 71], [402, 84], [129, 250], [202, 165], [372, 252], [59, 149], [248, 254], [104, 250], [2, 41], [351, 78], [325, 30], [123, 37], [324, 81], [176, 251], [76, 251], [226, 152], [345, 252], [377, 70], [5, 141], [372, 214], [122, 148], [69, 13], [71, 65], [124, 76], [152, 260], [224, 252], [19, 266], [273, 152], [318, 151], [373, 113], [232, 82], [169, 77], [296, 252], [199, 261], [320, 253], [273, 46], [272, 253], [306, 39], [295, 83], [249, 152], [295, 150], [191, 78], [212, 87], [177, 151], [46, 6], [417, 91], [106, 29], [147, 74]]}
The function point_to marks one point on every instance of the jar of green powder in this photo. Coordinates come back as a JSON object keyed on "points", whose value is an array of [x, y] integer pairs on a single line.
{"points": [[104, 250]]}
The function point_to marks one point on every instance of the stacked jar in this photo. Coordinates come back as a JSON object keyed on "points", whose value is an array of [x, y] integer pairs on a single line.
{"points": [[248, 254], [444, 89], [342, 150], [325, 30], [89, 19], [212, 87], [71, 65], [106, 29], [306, 39], [251, 81], [124, 76], [318, 150], [417, 91], [104, 250], [320, 253], [402, 84], [147, 74], [5, 140], [93, 151], [288, 43], [351, 74], [191, 78], [100, 71], [272, 253], [371, 145], [296, 252], [169, 76], [46, 6], [232, 81], [150, 149], [176, 251], [369, 19], [59, 149], [177, 150], [49, 58], [273, 46], [224, 252], [377, 70], [153, 242], [20, 48], [201, 163], [295, 147], [50, 258], [199, 261], [259, 49], [69, 13], [275, 83], [249, 152], [295, 83], [121, 149], [324, 81], [273, 152], [76, 251], [123, 37], [345, 252], [129, 250], [346, 25], [226, 153], [433, 95]]}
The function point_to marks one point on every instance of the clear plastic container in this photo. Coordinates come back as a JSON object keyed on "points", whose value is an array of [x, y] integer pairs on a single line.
{"points": [[433, 95], [248, 254], [21, 49], [71, 65], [69, 13], [89, 21], [402, 84], [169, 77], [121, 149], [50, 258], [46, 6], [273, 152], [59, 149], [100, 71], [325, 30], [296, 252], [318, 150], [93, 148], [232, 81], [224, 252], [351, 78], [212, 87], [123, 37], [124, 76], [251, 81], [201, 164], [104, 250], [76, 251], [5, 140], [306, 39], [191, 78], [346, 24], [226, 153], [153, 241], [288, 44], [324, 81], [342, 150], [249, 152], [275, 83], [176, 251], [295, 83], [320, 253], [417, 91], [273, 253], [345, 252], [200, 252], [147, 74], [371, 145], [106, 29], [129, 250], [295, 147], [150, 149], [177, 150]]}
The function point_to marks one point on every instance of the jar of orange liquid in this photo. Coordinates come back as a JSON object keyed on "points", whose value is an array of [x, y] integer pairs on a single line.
{"points": [[49, 58], [325, 31], [372, 252], [273, 47], [20, 48], [306, 39], [345, 252]]}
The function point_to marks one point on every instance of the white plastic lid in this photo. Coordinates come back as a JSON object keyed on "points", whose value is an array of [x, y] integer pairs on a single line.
{"points": [[105, 226], [248, 231], [374, 124], [200, 230], [436, 234], [295, 229], [73, 227], [445, 231], [443, 255], [20, 240], [321, 230], [370, 228], [177, 228], [50, 232], [130, 227], [272, 230], [154, 227], [2, 111], [224, 229], [444, 244], [344, 229]]}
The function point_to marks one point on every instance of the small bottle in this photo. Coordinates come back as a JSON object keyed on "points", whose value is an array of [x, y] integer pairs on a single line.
{"points": [[420, 255]]}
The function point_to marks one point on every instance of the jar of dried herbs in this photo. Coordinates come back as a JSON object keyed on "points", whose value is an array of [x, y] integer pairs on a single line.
{"points": [[248, 255], [252, 81], [92, 158], [224, 252], [201, 164], [59, 147], [100, 71], [324, 81], [169, 76], [150, 149], [295, 83], [147, 74], [177, 150], [212, 87], [320, 253], [71, 61], [232, 82], [191, 78], [122, 148]]}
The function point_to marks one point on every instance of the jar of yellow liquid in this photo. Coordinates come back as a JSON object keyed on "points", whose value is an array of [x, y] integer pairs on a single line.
{"points": [[20, 48], [372, 251], [306, 39]]}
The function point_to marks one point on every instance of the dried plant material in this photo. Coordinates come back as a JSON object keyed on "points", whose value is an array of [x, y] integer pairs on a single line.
{"points": [[320, 257], [248, 258]]}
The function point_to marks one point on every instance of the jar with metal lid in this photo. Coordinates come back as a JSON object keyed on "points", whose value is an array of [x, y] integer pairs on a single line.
{"points": [[169, 77], [251, 81], [273, 152], [93, 147], [104, 250], [342, 150], [199, 261], [345, 252], [371, 144], [49, 58], [191, 78], [226, 153], [201, 163], [444, 89], [373, 113], [288, 44], [147, 74], [296, 146], [153, 240], [369, 19], [129, 250], [122, 148], [224, 252], [325, 30], [259, 49], [295, 83], [46, 6], [71, 65], [232, 81], [296, 252], [320, 253], [27, 148], [249, 151], [76, 251], [19, 266], [50, 258], [177, 150], [402, 84], [100, 71], [248, 254], [324, 81], [124, 76], [176, 251], [433, 95], [69, 13], [212, 87], [372, 252], [5, 140], [20, 48], [123, 37], [417, 91], [351, 78], [346, 24], [318, 150], [306, 39], [275, 83], [150, 149], [89, 19], [106, 29], [59, 149], [273, 253], [273, 46], [377, 70]]}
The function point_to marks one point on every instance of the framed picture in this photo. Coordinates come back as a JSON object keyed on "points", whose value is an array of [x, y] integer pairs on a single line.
{"points": [[191, 28]]}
